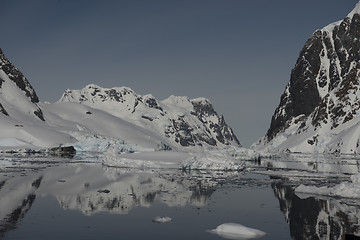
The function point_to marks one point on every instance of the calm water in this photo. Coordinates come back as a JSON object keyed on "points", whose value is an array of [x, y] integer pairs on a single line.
{"points": [[66, 199]]}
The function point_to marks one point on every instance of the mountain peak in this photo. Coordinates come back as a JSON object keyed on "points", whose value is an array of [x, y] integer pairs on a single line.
{"points": [[331, 26], [356, 10]]}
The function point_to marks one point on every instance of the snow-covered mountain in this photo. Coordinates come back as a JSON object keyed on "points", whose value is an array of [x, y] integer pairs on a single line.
{"points": [[319, 109], [94, 118], [181, 122]]}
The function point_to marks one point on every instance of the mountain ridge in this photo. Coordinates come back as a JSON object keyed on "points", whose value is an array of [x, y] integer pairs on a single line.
{"points": [[184, 121]]}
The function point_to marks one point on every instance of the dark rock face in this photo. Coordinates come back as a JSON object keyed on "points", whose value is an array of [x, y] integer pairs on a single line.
{"points": [[21, 82], [15, 75], [2, 110], [67, 151], [186, 135], [224, 134], [152, 103], [324, 81]]}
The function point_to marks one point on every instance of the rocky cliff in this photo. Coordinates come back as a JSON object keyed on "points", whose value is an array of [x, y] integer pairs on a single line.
{"points": [[321, 101], [14, 83]]}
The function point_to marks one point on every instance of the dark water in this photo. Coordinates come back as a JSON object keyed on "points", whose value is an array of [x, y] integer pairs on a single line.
{"points": [[72, 200]]}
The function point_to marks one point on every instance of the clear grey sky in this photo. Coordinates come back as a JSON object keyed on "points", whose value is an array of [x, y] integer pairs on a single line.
{"points": [[237, 53]]}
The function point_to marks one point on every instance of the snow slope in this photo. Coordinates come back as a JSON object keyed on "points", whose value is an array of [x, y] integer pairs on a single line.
{"points": [[93, 127], [20, 125]]}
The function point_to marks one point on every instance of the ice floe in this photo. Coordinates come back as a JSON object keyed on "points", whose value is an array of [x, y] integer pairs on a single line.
{"points": [[237, 231], [162, 219]]}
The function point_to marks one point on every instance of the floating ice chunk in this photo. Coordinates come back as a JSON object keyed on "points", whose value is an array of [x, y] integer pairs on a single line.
{"points": [[162, 219], [237, 231]]}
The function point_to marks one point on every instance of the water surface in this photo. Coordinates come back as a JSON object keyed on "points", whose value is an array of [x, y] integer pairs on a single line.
{"points": [[71, 199]]}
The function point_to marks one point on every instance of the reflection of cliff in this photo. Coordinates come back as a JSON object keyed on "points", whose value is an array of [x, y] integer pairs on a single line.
{"points": [[16, 203], [313, 218]]}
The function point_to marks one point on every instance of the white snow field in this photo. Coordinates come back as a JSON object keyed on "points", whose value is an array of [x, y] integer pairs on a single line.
{"points": [[237, 231], [93, 127]]}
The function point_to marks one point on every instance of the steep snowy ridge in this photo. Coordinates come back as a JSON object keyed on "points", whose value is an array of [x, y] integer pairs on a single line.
{"points": [[17, 94], [179, 120], [356, 10], [321, 102]]}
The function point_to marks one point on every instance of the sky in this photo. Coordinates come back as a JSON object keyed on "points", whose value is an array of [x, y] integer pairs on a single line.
{"points": [[237, 53]]}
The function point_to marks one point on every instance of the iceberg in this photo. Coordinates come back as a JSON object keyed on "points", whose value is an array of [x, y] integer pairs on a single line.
{"points": [[237, 231]]}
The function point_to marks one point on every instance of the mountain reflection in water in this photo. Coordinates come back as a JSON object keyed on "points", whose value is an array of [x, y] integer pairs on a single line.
{"points": [[90, 188]]}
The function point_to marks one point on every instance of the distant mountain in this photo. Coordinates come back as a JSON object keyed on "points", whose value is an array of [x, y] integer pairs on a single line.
{"points": [[178, 120], [95, 118], [319, 109]]}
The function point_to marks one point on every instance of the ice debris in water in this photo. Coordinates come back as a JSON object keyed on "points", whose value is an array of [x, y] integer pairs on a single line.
{"points": [[237, 231], [162, 219]]}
